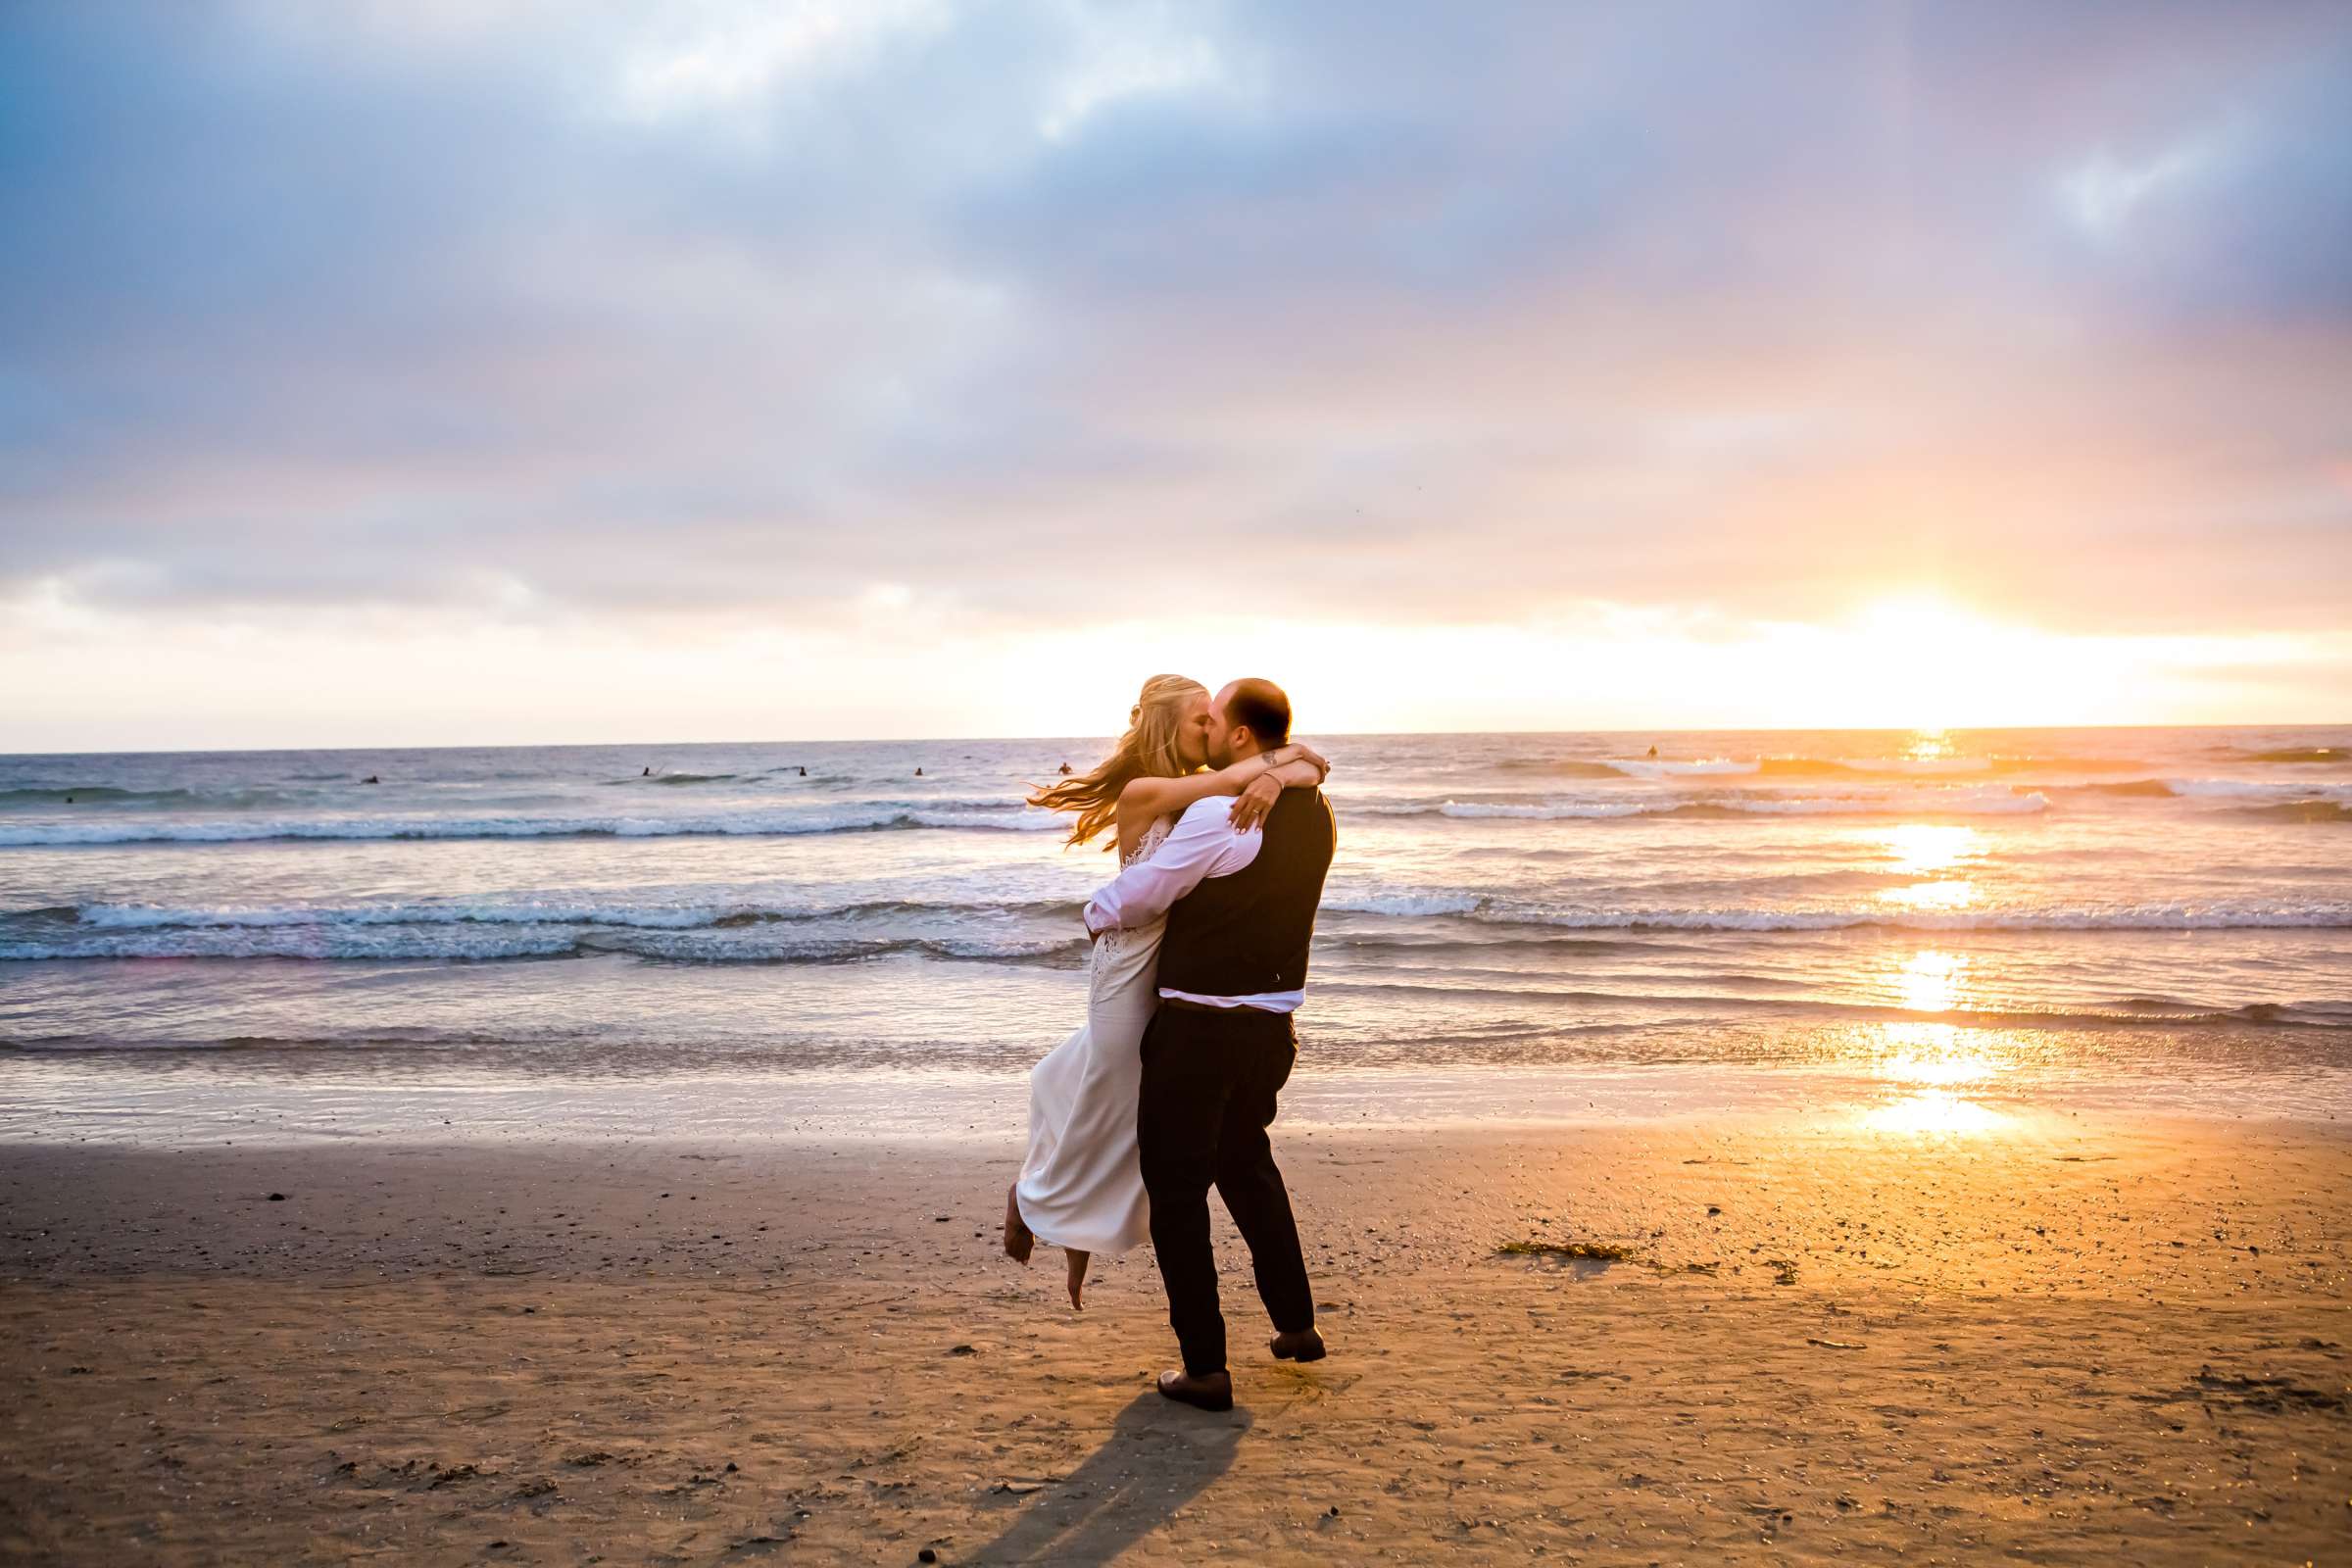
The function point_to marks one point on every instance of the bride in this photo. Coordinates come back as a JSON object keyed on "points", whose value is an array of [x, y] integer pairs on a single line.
{"points": [[1080, 1188]]}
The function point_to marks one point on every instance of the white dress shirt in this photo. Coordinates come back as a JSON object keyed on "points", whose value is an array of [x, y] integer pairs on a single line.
{"points": [[1202, 845]]}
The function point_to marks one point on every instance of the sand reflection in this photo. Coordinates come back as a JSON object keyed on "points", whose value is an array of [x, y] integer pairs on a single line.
{"points": [[1933, 1113], [1927, 1064], [1936, 1054]]}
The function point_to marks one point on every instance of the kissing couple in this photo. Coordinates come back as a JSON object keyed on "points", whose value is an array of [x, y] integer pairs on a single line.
{"points": [[1198, 960]]}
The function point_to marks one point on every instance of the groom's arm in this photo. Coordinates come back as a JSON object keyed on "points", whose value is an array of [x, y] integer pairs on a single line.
{"points": [[1202, 845]]}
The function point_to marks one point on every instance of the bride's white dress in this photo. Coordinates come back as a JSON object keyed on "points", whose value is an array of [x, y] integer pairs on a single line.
{"points": [[1081, 1185]]}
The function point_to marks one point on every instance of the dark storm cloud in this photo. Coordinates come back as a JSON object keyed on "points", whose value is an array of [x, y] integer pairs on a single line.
{"points": [[1432, 316]]}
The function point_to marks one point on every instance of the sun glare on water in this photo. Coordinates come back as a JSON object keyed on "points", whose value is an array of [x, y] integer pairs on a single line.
{"points": [[1930, 982], [1931, 746], [1938, 856]]}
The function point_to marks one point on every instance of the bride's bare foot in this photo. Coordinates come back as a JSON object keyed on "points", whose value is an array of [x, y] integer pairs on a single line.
{"points": [[1078, 1261], [1018, 1237]]}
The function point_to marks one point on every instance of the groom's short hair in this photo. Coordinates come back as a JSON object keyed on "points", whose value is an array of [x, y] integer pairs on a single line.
{"points": [[1264, 707]]}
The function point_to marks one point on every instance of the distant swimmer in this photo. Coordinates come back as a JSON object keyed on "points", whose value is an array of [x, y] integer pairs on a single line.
{"points": [[1653, 750], [68, 799], [647, 773], [918, 772], [372, 779], [804, 773], [1065, 770]]}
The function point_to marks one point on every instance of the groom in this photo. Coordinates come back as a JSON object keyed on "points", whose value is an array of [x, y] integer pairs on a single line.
{"points": [[1241, 911]]}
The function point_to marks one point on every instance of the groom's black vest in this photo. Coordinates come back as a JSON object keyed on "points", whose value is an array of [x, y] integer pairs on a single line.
{"points": [[1246, 934]]}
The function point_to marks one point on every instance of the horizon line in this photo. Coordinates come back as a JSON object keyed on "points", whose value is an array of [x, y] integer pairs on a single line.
{"points": [[954, 739]]}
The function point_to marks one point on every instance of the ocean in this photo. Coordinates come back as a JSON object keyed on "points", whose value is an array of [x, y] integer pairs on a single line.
{"points": [[761, 936]]}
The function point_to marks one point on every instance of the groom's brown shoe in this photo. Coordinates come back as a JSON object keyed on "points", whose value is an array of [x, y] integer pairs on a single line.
{"points": [[1211, 1390], [1303, 1345]]}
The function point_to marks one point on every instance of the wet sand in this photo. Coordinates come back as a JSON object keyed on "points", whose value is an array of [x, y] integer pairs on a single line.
{"points": [[2064, 1343]]}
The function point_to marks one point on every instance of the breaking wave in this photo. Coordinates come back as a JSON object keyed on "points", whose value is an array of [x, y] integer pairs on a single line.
{"points": [[99, 796], [2335, 811], [2210, 789], [1964, 800], [1036, 930], [1562, 768], [2234, 789], [462, 945], [685, 931], [652, 916], [2149, 917], [1674, 769], [1870, 766], [867, 818], [2308, 756]]}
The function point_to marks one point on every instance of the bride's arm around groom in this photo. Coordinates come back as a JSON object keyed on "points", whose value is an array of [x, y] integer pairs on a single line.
{"points": [[1208, 839]]}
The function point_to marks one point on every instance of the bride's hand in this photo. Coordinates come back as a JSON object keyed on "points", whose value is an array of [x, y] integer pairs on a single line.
{"points": [[1251, 807]]}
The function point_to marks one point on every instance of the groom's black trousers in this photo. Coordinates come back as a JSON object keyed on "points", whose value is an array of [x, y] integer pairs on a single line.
{"points": [[1210, 1082]]}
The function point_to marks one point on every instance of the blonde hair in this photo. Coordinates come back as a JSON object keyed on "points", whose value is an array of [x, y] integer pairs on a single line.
{"points": [[1149, 750]]}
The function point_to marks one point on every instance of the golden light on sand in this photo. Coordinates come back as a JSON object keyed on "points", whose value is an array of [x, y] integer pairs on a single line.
{"points": [[1931, 1114]]}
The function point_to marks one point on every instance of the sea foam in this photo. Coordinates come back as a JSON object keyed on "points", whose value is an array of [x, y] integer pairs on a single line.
{"points": [[750, 823], [1965, 801]]}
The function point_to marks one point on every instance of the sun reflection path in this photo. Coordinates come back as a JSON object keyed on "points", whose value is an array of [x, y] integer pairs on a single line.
{"points": [[1923, 849], [1954, 895], [1930, 746], [1928, 981]]}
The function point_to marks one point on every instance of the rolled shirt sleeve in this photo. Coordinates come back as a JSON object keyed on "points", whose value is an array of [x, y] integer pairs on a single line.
{"points": [[1202, 845]]}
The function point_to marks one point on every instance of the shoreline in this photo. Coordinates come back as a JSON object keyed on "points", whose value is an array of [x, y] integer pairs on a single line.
{"points": [[2082, 1342], [193, 1099]]}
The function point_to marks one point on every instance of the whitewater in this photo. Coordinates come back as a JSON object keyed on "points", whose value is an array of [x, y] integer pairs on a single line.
{"points": [[1498, 900]]}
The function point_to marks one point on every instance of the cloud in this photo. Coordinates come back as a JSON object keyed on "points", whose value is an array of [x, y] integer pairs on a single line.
{"points": [[759, 310]]}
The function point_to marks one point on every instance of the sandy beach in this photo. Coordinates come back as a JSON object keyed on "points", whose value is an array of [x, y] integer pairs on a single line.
{"points": [[2071, 1344]]}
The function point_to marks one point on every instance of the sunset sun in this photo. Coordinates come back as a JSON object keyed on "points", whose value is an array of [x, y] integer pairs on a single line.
{"points": [[1924, 661]]}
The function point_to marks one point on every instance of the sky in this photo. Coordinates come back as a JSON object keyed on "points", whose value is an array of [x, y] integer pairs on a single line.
{"points": [[430, 373]]}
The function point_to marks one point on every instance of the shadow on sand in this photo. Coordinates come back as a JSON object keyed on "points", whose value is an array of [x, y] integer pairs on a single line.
{"points": [[1158, 1457]]}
